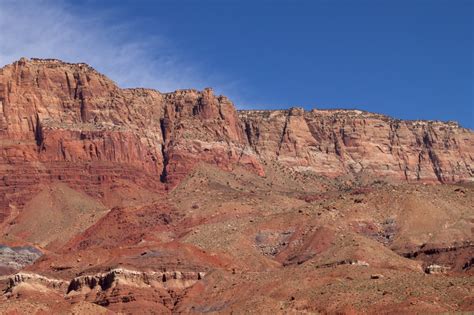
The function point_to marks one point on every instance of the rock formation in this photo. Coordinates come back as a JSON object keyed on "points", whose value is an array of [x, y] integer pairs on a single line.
{"points": [[339, 142], [15, 258], [67, 122], [135, 201], [107, 280]]}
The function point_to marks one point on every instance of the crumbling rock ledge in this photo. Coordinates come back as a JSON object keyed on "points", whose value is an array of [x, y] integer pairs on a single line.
{"points": [[105, 281], [174, 280], [35, 281]]}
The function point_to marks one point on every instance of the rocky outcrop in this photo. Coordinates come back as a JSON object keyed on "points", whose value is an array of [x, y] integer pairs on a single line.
{"points": [[67, 122], [200, 127], [15, 258], [116, 289], [105, 281], [457, 257], [436, 269], [33, 281], [351, 142], [175, 280]]}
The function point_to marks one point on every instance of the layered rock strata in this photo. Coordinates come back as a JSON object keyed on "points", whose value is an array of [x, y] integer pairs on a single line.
{"points": [[106, 281], [340, 142], [67, 122]]}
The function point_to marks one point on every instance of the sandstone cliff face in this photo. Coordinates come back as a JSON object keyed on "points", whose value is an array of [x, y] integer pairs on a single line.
{"points": [[200, 127], [340, 142], [67, 122]]}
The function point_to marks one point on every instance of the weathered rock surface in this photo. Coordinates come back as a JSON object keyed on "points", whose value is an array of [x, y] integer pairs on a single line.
{"points": [[107, 280], [67, 122], [33, 280], [114, 287], [341, 142], [15, 258], [279, 242], [85, 169]]}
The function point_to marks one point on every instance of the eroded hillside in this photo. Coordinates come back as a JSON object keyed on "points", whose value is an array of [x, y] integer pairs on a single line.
{"points": [[136, 201]]}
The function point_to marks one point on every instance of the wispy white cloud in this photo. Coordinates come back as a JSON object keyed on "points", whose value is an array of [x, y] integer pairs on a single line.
{"points": [[48, 29]]}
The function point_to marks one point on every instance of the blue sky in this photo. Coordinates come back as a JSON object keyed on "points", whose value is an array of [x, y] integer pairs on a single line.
{"points": [[407, 59]]}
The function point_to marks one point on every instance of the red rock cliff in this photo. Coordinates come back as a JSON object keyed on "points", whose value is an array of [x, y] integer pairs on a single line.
{"points": [[342, 142], [61, 121], [67, 122]]}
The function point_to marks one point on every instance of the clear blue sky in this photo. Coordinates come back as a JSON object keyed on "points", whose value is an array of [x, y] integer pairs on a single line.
{"points": [[408, 59]]}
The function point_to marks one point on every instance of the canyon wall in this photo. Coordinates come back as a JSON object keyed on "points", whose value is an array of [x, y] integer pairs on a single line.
{"points": [[339, 142], [67, 122]]}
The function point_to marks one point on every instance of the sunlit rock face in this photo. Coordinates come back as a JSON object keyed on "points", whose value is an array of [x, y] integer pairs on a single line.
{"points": [[341, 142], [67, 122], [135, 201]]}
